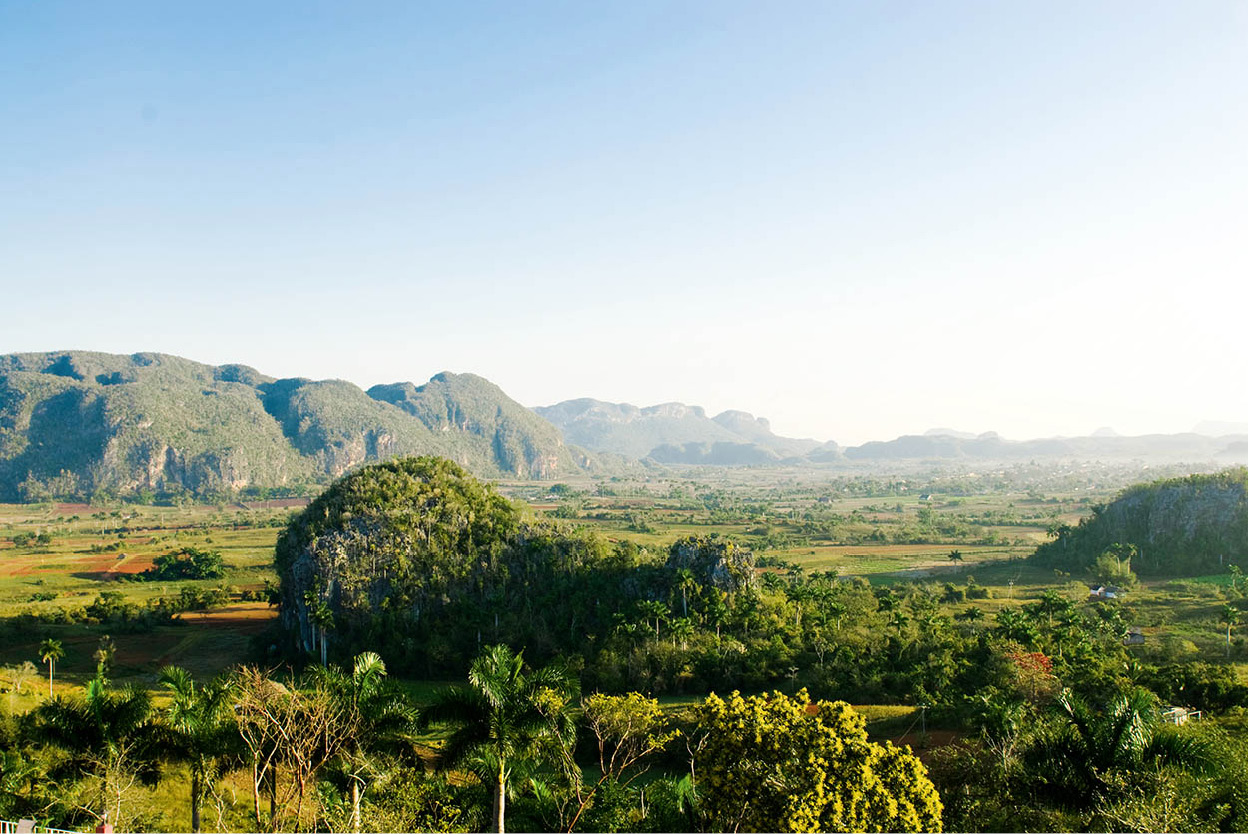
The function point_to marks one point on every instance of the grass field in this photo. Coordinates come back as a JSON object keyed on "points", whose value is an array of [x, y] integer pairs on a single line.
{"points": [[91, 550]]}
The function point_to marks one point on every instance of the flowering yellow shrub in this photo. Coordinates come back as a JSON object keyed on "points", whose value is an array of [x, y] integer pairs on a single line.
{"points": [[780, 763]]}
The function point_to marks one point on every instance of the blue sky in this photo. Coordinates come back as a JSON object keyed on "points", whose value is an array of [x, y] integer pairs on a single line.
{"points": [[856, 219]]}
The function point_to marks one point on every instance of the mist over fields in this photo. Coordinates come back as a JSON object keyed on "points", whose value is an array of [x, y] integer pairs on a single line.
{"points": [[75, 424]]}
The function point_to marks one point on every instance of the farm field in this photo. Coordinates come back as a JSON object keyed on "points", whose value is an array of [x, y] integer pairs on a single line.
{"points": [[92, 551], [884, 530], [75, 573]]}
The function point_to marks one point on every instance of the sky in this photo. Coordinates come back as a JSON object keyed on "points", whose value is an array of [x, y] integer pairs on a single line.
{"points": [[857, 219]]}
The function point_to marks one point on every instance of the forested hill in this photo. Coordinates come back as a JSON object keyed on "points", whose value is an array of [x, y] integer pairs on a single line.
{"points": [[1176, 527], [74, 424]]}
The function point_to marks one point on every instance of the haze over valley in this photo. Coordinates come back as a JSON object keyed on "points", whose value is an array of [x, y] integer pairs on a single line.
{"points": [[74, 424]]}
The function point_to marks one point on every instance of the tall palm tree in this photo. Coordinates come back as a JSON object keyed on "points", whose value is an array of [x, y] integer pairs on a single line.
{"points": [[108, 734], [652, 609], [201, 728], [685, 582], [505, 716], [322, 616], [1078, 757], [51, 651], [380, 718]]}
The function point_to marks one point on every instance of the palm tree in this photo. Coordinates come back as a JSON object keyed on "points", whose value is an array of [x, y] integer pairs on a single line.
{"points": [[380, 718], [955, 556], [322, 616], [505, 716], [51, 651], [685, 582], [652, 609], [835, 610], [716, 610], [1051, 603], [109, 735], [1078, 758], [201, 725], [681, 629], [1230, 616], [971, 615]]}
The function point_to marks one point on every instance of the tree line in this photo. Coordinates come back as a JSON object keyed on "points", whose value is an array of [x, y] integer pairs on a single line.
{"points": [[349, 750]]}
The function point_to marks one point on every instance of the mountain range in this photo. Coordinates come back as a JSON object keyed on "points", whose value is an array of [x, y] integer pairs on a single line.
{"points": [[77, 423], [676, 433]]}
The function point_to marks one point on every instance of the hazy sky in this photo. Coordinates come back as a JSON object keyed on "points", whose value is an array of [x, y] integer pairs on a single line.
{"points": [[856, 219]]}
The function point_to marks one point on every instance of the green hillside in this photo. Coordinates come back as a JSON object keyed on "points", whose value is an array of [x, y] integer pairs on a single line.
{"points": [[1179, 526], [75, 424], [483, 424]]}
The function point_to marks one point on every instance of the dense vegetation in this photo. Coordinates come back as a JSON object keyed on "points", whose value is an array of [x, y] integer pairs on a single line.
{"points": [[1035, 705], [525, 733], [1177, 527], [187, 563], [421, 562]]}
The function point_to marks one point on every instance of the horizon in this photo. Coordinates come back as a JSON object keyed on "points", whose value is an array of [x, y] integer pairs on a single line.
{"points": [[1208, 428], [857, 221]]}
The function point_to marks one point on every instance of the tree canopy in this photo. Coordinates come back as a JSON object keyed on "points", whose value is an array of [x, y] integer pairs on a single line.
{"points": [[786, 763], [1175, 527]]}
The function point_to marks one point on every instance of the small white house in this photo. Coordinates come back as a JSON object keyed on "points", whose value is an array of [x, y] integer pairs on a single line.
{"points": [[1178, 716]]}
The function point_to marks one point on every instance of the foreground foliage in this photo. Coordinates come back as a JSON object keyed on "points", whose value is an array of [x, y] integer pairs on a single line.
{"points": [[505, 716], [780, 763]]}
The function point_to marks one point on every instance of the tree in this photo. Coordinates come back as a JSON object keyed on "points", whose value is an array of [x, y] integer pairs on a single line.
{"points": [[1230, 616], [505, 715], [1052, 603], [322, 616], [780, 763], [111, 740], [1113, 567], [201, 725], [955, 556], [51, 651], [649, 609], [685, 582], [1091, 753], [187, 563], [18, 677], [971, 615], [377, 718], [681, 630], [300, 727], [628, 729]]}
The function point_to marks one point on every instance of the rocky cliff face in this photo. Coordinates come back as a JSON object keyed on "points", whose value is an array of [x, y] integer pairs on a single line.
{"points": [[474, 414], [1182, 526], [76, 423]]}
